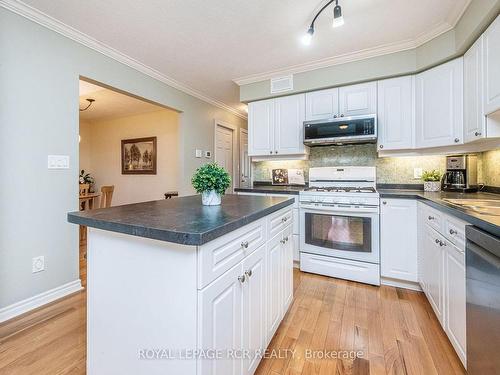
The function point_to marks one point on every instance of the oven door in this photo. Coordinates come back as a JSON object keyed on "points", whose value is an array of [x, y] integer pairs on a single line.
{"points": [[349, 235]]}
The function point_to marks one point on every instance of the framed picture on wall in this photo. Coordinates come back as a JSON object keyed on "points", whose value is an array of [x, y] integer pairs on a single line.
{"points": [[139, 156]]}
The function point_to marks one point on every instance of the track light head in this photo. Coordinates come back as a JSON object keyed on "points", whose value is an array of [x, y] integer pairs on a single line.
{"points": [[307, 38]]}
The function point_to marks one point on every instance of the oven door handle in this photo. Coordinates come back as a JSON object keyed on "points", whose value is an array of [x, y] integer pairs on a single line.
{"points": [[372, 210]]}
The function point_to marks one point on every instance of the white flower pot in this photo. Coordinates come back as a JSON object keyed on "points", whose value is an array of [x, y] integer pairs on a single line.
{"points": [[210, 198], [432, 185]]}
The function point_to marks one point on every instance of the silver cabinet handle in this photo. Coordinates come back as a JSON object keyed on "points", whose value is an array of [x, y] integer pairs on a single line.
{"points": [[477, 134], [342, 115], [457, 140], [452, 232], [284, 219], [248, 273], [431, 217], [282, 241], [241, 279], [334, 116], [381, 146], [286, 239], [244, 244], [436, 240], [384, 202]]}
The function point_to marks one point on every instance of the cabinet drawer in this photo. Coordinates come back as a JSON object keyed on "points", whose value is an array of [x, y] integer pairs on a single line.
{"points": [[279, 220], [220, 255], [454, 230], [433, 218]]}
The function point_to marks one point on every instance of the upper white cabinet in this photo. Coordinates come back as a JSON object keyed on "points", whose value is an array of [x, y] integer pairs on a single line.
{"points": [[275, 126], [438, 105], [491, 64], [395, 113], [289, 125], [345, 101], [398, 239], [322, 104], [261, 121], [358, 100], [474, 119]]}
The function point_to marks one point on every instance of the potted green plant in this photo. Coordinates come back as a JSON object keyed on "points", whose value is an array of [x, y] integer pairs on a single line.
{"points": [[86, 178], [432, 180], [211, 180]]}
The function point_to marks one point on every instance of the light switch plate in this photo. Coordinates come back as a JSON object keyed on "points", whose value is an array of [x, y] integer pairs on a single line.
{"points": [[58, 162], [417, 173], [38, 264], [198, 153]]}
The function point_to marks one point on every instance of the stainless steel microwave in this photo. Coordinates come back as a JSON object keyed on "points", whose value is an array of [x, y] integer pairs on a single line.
{"points": [[341, 130]]}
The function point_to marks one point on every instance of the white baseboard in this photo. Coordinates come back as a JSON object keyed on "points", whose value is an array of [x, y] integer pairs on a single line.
{"points": [[296, 264], [41, 299], [400, 283]]}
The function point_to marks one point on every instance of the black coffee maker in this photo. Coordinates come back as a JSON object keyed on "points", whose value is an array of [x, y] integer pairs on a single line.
{"points": [[461, 174]]}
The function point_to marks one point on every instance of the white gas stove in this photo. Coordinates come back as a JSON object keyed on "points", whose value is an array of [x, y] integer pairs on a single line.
{"points": [[339, 219]]}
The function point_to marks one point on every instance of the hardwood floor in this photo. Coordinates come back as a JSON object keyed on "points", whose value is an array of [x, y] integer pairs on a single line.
{"points": [[395, 329]]}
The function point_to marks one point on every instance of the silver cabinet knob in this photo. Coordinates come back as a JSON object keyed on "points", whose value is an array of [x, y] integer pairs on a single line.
{"points": [[384, 202], [334, 116], [342, 115], [241, 279], [436, 240], [248, 273], [284, 219], [431, 217], [286, 239], [477, 134], [282, 241], [270, 152], [457, 140], [381, 146], [452, 231], [276, 151], [244, 245]]}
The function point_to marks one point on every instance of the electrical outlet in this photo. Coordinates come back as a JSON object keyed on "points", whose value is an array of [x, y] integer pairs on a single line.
{"points": [[417, 173], [208, 154], [38, 264]]}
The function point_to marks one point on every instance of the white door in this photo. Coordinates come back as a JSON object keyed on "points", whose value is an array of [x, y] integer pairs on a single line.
{"points": [[455, 305], [398, 239], [358, 100], [474, 118], [220, 313], [322, 104], [395, 113], [244, 160], [439, 105], [224, 150], [433, 270], [289, 125], [261, 128], [491, 64], [254, 308], [287, 267], [274, 277]]}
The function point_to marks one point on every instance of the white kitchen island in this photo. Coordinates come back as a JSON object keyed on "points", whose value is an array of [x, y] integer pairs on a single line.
{"points": [[207, 305]]}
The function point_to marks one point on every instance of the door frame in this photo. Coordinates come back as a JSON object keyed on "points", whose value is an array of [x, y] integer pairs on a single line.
{"points": [[236, 161], [242, 130]]}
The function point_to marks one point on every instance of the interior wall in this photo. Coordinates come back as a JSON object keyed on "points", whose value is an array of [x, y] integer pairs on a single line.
{"points": [[104, 154], [39, 98]]}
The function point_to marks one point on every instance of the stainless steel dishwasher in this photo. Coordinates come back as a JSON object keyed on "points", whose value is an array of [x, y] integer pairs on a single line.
{"points": [[483, 302]]}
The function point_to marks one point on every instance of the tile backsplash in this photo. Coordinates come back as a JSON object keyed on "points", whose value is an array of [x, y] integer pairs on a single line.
{"points": [[397, 170]]}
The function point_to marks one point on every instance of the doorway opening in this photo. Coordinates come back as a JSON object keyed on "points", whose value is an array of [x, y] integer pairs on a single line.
{"points": [[128, 150]]}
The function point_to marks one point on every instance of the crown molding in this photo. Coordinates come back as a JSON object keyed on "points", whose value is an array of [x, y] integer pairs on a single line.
{"points": [[384, 49], [59, 27]]}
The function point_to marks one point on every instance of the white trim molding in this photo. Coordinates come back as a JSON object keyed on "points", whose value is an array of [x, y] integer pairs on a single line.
{"points": [[53, 24], [384, 49], [39, 300]]}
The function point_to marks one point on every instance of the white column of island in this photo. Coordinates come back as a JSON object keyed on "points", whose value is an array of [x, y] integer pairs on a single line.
{"points": [[177, 288]]}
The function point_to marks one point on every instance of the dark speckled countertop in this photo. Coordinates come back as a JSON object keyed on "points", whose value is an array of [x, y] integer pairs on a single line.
{"points": [[181, 220], [489, 223]]}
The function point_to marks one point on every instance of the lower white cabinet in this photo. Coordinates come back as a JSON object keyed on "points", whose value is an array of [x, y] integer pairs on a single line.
{"points": [[243, 308], [442, 275], [398, 239]]}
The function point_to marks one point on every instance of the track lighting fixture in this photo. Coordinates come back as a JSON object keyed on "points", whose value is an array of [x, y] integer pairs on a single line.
{"points": [[338, 20]]}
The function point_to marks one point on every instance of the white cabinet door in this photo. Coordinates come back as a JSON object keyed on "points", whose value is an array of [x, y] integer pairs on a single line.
{"points": [[398, 239], [433, 263], [289, 125], [395, 113], [322, 104], [455, 302], [359, 99], [491, 64], [219, 314], [275, 284], [287, 268], [254, 308], [439, 105], [474, 118], [261, 118]]}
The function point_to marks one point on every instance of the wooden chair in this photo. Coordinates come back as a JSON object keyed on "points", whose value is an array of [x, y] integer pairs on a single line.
{"points": [[106, 196], [84, 204]]}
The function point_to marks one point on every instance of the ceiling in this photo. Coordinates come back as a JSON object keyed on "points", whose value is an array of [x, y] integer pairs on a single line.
{"points": [[207, 45], [110, 104]]}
